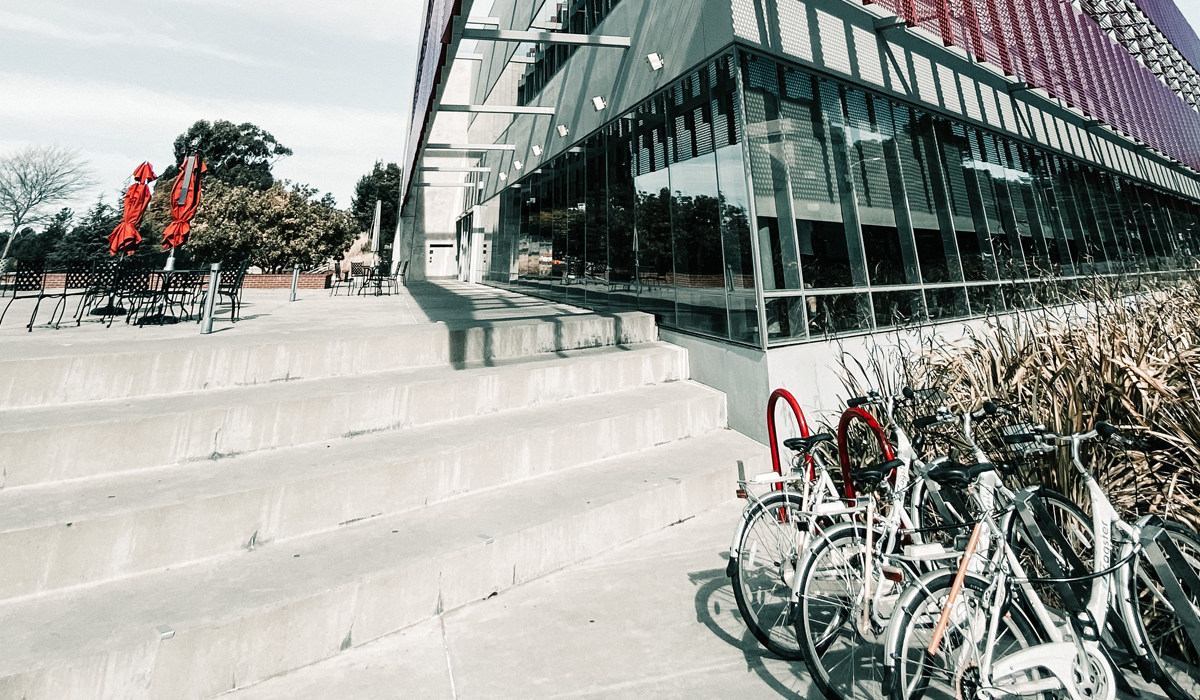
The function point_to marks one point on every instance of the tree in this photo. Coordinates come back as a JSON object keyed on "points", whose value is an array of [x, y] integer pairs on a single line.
{"points": [[382, 184], [33, 180], [273, 228], [33, 247], [88, 240], [240, 155]]}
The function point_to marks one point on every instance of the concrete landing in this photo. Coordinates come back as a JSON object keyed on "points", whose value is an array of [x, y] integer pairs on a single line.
{"points": [[654, 618]]}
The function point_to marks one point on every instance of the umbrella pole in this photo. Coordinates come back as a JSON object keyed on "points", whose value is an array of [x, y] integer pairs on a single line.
{"points": [[170, 261]]}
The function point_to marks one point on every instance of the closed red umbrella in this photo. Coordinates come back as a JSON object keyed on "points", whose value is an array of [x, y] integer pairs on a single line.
{"points": [[125, 237], [185, 200]]}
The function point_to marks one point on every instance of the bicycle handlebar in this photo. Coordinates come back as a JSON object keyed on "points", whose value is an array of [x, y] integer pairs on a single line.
{"points": [[1103, 430]]}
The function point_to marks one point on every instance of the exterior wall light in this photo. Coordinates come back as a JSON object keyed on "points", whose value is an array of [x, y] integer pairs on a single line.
{"points": [[599, 103], [503, 176], [537, 150], [518, 164], [563, 130], [480, 185], [656, 61]]}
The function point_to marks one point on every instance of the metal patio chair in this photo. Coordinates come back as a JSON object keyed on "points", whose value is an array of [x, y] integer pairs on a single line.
{"points": [[28, 283]]}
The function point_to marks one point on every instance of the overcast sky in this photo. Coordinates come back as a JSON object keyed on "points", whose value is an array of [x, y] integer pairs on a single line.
{"points": [[120, 79]]}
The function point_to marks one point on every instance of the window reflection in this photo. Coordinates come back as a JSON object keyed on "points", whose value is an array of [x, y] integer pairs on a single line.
{"points": [[867, 213]]}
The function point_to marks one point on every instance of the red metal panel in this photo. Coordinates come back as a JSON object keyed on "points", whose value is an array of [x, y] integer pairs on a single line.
{"points": [[1003, 59]]}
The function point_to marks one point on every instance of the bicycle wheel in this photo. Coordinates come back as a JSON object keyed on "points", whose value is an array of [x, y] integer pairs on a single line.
{"points": [[1077, 530], [911, 673], [1155, 622], [769, 550], [842, 649]]}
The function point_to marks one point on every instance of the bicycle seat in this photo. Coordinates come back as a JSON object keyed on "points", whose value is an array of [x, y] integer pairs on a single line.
{"points": [[804, 444], [872, 474], [957, 475]]}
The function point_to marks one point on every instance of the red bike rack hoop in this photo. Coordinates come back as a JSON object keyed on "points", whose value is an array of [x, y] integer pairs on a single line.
{"points": [[771, 432], [843, 436]]}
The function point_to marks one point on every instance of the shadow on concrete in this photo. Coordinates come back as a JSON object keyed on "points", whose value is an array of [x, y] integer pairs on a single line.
{"points": [[472, 313], [716, 609]]}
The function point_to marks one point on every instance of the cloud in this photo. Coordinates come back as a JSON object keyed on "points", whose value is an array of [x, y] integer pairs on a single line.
{"points": [[150, 41], [368, 20], [121, 124]]}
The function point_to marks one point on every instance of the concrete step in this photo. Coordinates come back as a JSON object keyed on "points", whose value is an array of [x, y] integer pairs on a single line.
{"points": [[53, 374], [90, 530], [53, 443], [654, 618], [196, 631]]}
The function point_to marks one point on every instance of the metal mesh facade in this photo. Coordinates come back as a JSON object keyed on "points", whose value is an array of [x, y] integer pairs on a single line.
{"points": [[1052, 45]]}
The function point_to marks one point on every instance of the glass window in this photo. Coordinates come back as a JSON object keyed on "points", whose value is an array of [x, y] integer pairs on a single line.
{"points": [[993, 194], [879, 190], [699, 270], [985, 300], [830, 314], [734, 201], [972, 228], [944, 303], [786, 319], [933, 228], [655, 255], [622, 203], [898, 308], [574, 172], [595, 223]]}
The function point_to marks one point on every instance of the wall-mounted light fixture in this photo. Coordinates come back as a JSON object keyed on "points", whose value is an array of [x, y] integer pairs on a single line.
{"points": [[503, 176], [656, 61], [537, 150], [480, 185], [518, 164], [563, 130], [599, 103]]}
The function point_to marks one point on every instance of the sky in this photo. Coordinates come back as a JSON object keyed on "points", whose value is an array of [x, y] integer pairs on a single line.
{"points": [[120, 79]]}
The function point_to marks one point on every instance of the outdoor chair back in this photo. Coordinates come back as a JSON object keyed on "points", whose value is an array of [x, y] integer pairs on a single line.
{"points": [[28, 283], [75, 283], [340, 280], [231, 286]]}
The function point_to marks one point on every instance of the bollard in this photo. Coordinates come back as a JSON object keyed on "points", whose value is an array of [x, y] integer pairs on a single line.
{"points": [[210, 299], [295, 280]]}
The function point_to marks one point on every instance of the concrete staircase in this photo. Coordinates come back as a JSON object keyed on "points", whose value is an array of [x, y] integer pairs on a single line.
{"points": [[184, 517]]}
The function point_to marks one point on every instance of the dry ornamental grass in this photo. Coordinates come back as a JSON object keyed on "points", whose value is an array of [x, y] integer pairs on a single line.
{"points": [[1125, 352]]}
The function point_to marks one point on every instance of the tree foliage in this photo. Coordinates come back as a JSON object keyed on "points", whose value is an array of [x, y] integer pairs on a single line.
{"points": [[273, 228], [33, 180], [239, 155], [381, 184]]}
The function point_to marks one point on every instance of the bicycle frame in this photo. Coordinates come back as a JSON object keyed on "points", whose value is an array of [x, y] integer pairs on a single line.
{"points": [[1058, 656]]}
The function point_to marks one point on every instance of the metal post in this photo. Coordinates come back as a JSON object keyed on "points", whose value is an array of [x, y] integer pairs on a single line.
{"points": [[295, 280], [210, 299]]}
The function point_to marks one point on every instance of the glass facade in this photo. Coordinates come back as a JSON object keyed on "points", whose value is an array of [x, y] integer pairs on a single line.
{"points": [[651, 213], [858, 212]]}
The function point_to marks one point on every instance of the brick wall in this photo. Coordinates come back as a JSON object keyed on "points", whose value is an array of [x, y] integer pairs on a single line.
{"points": [[285, 281]]}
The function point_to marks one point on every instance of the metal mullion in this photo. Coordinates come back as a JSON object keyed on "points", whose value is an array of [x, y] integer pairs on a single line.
{"points": [[755, 253]]}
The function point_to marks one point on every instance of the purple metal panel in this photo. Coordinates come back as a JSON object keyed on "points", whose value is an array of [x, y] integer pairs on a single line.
{"points": [[1170, 21]]}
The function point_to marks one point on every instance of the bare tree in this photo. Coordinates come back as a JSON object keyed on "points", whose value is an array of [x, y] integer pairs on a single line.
{"points": [[33, 180]]}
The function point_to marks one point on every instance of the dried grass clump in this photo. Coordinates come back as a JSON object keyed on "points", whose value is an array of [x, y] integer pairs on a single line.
{"points": [[1126, 354]]}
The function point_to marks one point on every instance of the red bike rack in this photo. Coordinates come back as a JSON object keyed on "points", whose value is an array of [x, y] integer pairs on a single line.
{"points": [[848, 416], [771, 433]]}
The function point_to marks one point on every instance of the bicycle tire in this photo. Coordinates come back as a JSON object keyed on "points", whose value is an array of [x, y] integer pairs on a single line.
{"points": [[1175, 665], [764, 593], [915, 608], [831, 638]]}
